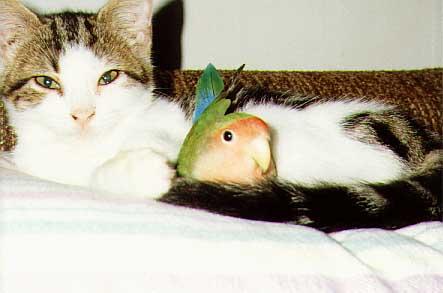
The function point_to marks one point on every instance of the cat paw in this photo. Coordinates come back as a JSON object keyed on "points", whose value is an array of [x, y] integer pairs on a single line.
{"points": [[140, 173]]}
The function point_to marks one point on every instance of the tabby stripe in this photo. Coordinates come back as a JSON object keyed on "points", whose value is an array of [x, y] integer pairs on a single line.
{"points": [[383, 133], [387, 138], [90, 29], [356, 119], [71, 25], [430, 143], [15, 87], [142, 78], [57, 42]]}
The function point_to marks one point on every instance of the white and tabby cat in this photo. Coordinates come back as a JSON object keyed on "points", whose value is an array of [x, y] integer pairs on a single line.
{"points": [[79, 92]]}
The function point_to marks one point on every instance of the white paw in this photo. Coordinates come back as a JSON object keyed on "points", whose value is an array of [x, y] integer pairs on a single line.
{"points": [[140, 173]]}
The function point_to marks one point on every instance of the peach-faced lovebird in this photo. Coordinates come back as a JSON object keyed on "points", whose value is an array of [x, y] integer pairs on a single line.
{"points": [[220, 147]]}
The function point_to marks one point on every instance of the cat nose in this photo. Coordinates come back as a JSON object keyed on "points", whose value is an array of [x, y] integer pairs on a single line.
{"points": [[83, 116]]}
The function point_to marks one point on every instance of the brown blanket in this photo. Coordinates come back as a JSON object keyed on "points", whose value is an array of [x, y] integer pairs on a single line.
{"points": [[418, 91]]}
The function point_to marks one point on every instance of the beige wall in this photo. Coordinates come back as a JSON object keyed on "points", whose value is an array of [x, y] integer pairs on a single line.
{"points": [[314, 34], [307, 34]]}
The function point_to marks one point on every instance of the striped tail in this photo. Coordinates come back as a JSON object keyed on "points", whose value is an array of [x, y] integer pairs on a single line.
{"points": [[411, 199]]}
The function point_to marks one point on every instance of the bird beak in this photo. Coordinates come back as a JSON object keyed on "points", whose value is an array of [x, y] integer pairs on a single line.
{"points": [[261, 153]]}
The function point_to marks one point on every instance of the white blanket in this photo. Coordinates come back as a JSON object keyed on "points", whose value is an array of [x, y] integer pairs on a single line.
{"points": [[56, 238]]}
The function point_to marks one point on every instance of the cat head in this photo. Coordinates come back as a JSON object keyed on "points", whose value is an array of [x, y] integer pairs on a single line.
{"points": [[75, 72]]}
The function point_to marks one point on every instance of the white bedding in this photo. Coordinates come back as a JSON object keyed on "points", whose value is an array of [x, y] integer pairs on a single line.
{"points": [[56, 238]]}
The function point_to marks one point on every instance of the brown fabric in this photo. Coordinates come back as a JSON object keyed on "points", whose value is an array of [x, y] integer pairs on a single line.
{"points": [[418, 91]]}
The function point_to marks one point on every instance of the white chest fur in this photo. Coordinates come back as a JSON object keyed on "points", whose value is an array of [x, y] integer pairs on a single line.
{"points": [[69, 159]]}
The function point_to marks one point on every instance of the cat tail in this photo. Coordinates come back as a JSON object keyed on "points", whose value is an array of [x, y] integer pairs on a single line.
{"points": [[409, 200]]}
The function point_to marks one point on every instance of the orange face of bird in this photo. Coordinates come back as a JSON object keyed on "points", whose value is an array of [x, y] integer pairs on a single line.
{"points": [[239, 152]]}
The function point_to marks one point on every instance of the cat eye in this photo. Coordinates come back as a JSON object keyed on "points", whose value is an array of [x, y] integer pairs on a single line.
{"points": [[228, 136], [47, 82], [108, 77]]}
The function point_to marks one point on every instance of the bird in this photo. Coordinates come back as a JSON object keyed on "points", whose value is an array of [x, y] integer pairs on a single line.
{"points": [[225, 147]]}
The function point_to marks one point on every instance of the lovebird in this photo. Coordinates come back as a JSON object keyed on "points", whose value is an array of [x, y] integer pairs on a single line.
{"points": [[220, 147]]}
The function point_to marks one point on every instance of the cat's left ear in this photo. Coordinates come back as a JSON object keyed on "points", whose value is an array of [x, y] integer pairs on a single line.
{"points": [[132, 19]]}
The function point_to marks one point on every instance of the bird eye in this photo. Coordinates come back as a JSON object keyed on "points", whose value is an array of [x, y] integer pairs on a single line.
{"points": [[228, 135], [108, 77], [47, 82]]}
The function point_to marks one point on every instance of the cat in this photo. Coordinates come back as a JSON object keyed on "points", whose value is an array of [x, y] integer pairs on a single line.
{"points": [[79, 91]]}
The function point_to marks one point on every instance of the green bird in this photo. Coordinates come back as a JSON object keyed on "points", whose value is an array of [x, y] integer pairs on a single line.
{"points": [[221, 147]]}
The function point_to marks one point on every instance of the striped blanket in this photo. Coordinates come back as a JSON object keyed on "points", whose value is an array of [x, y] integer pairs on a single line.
{"points": [[57, 238]]}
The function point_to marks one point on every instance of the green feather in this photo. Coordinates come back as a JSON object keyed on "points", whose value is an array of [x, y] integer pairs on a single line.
{"points": [[209, 86], [211, 119]]}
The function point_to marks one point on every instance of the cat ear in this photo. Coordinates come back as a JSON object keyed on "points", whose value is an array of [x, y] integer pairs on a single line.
{"points": [[16, 22], [132, 19]]}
